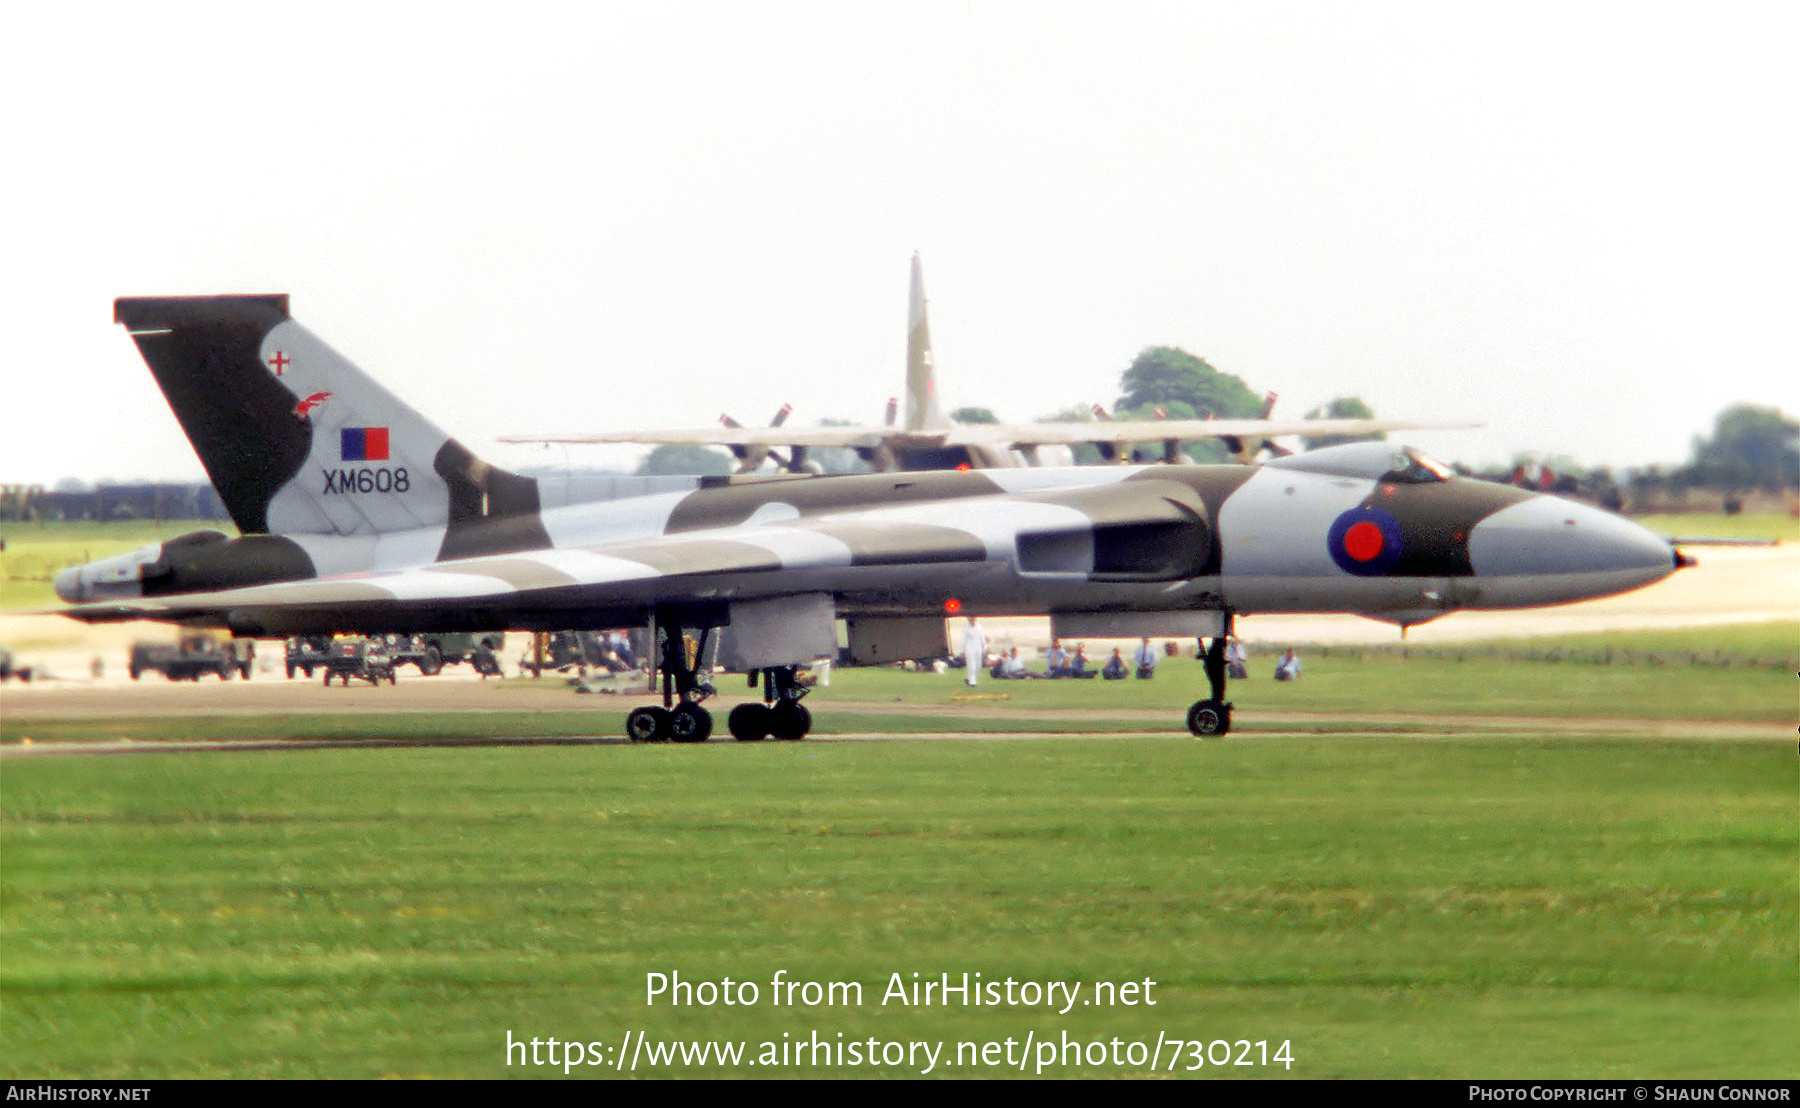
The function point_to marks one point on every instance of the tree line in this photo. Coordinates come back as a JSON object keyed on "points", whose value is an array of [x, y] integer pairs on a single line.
{"points": [[1752, 447]]}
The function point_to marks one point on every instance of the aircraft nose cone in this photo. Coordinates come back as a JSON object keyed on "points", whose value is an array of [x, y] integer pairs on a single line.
{"points": [[68, 585], [1552, 538]]}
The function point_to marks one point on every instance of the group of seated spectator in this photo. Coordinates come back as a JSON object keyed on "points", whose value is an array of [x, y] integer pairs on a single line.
{"points": [[1143, 662], [1061, 662], [1057, 663], [1067, 663]]}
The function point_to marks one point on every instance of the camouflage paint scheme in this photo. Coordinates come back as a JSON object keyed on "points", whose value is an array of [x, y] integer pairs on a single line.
{"points": [[359, 515]]}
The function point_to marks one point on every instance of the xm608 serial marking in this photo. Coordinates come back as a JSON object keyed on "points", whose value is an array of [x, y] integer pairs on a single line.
{"points": [[378, 479]]}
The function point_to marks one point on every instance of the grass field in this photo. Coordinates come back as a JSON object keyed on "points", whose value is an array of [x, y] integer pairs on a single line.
{"points": [[1770, 639], [1344, 683], [1391, 908], [1709, 525], [1418, 889], [1344, 691]]}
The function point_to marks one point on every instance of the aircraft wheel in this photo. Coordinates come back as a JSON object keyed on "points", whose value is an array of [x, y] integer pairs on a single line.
{"points": [[789, 720], [647, 725], [327, 678], [290, 670], [1209, 719], [750, 723], [690, 723], [136, 673], [434, 662]]}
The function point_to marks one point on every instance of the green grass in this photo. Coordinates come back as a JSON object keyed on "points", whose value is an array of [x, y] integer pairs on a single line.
{"points": [[1772, 639], [1535, 906], [1528, 904], [1341, 684], [1341, 692], [1717, 525], [1432, 681]]}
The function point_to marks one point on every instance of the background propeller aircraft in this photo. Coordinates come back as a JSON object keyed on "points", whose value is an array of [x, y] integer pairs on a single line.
{"points": [[359, 515], [927, 439]]}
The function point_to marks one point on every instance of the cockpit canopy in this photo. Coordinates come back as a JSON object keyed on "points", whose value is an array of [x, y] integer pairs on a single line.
{"points": [[1371, 461]]}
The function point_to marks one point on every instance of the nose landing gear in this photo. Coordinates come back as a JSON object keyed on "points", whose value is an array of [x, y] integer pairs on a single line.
{"points": [[1211, 718]]}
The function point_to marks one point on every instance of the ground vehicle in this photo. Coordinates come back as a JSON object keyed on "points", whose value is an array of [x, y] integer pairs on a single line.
{"points": [[481, 651], [307, 652], [417, 650], [430, 653], [366, 659], [8, 669], [192, 656]]}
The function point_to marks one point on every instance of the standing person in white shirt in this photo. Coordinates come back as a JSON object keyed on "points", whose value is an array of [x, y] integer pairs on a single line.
{"points": [[974, 646]]}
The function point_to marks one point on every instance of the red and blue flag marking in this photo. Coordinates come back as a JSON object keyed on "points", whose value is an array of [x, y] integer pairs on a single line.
{"points": [[364, 444]]}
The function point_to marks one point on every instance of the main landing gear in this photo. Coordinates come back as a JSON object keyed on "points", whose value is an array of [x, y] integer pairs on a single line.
{"points": [[1211, 718], [780, 715], [681, 718]]}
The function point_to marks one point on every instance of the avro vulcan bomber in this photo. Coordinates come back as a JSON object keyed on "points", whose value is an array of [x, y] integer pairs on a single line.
{"points": [[359, 515]]}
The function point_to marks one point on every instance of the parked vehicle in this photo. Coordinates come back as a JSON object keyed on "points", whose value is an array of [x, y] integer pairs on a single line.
{"points": [[430, 653], [417, 650], [479, 650], [366, 659], [193, 656], [10, 669], [307, 653]]}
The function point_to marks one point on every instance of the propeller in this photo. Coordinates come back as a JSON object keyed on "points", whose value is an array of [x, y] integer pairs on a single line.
{"points": [[750, 456]]}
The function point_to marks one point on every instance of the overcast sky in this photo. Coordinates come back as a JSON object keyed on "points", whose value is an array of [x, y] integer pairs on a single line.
{"points": [[1572, 222]]}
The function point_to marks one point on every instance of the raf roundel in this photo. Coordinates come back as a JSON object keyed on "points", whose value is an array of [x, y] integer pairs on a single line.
{"points": [[1365, 541]]}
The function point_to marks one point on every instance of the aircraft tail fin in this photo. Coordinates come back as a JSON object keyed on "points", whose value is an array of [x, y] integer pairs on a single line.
{"points": [[297, 439], [922, 410]]}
